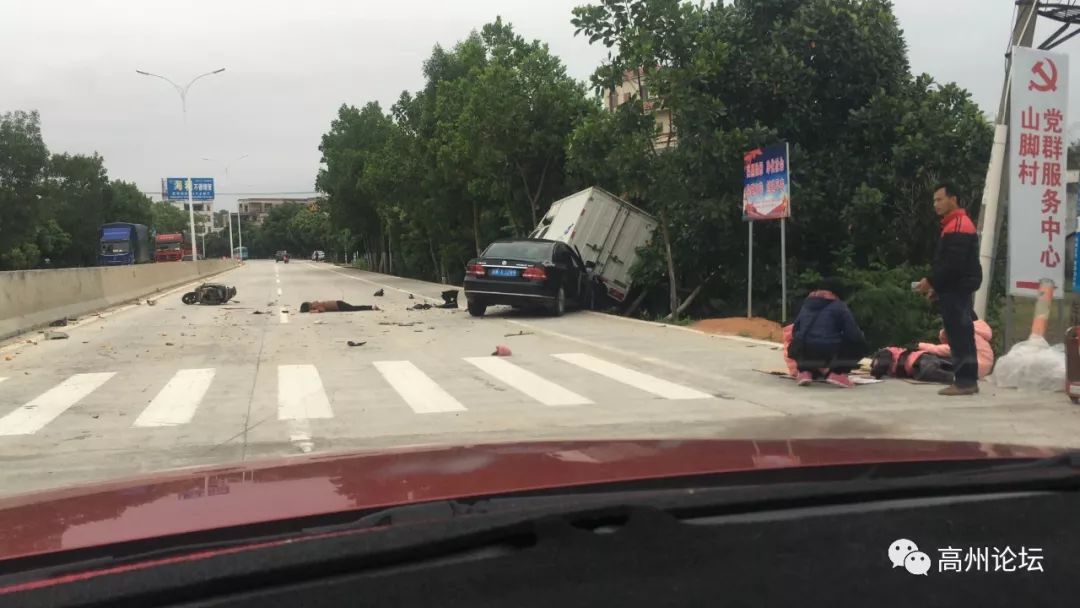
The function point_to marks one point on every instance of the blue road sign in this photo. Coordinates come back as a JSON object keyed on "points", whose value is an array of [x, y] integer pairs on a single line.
{"points": [[202, 189]]}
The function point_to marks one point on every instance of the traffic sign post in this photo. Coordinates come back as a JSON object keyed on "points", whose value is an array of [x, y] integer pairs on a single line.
{"points": [[767, 196]]}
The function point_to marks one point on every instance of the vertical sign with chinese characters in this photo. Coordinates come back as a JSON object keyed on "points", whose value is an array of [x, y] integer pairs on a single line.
{"points": [[1037, 148], [766, 183]]}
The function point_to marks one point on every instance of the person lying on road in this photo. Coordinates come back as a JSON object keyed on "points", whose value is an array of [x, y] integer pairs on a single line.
{"points": [[334, 306]]}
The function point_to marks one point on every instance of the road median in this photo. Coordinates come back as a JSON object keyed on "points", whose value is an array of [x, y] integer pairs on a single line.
{"points": [[33, 298]]}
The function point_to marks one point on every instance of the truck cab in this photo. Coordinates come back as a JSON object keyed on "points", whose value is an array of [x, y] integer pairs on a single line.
{"points": [[171, 247]]}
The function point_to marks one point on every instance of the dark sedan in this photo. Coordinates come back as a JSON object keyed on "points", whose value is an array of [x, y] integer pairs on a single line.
{"points": [[528, 273]]}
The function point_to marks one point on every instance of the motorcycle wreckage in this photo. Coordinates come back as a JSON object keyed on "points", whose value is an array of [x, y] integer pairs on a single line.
{"points": [[209, 293]]}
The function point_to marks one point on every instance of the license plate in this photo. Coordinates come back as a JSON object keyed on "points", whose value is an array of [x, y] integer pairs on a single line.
{"points": [[504, 272]]}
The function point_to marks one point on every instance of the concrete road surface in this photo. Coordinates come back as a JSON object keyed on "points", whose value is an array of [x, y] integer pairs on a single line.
{"points": [[148, 388]]}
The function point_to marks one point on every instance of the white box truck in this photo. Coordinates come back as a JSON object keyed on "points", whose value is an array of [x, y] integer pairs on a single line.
{"points": [[605, 229]]}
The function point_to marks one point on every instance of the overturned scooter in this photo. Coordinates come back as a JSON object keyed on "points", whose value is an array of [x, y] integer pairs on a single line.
{"points": [[209, 293]]}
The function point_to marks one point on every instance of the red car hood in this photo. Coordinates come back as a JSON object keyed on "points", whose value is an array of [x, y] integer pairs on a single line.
{"points": [[209, 498]]}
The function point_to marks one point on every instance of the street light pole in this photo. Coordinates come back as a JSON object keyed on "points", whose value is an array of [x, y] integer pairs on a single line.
{"points": [[183, 91], [232, 252], [240, 232], [227, 164]]}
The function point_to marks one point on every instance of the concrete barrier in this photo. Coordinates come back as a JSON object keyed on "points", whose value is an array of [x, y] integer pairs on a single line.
{"points": [[34, 298]]}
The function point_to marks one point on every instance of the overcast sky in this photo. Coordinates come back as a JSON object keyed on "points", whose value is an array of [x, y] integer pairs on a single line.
{"points": [[291, 64]]}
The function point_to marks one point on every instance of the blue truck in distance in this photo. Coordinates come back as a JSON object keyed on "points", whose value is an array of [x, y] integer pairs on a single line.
{"points": [[122, 243]]}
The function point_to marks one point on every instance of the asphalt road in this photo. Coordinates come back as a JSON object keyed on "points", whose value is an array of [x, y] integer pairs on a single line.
{"points": [[147, 388]]}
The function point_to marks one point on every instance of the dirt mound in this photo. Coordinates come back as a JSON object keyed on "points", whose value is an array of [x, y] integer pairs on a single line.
{"points": [[756, 327]]}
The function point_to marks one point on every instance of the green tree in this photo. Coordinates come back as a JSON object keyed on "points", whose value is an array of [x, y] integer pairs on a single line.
{"points": [[125, 203], [23, 161], [831, 77], [77, 195], [166, 218]]}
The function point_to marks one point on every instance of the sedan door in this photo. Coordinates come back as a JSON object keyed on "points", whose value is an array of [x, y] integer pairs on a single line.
{"points": [[569, 272]]}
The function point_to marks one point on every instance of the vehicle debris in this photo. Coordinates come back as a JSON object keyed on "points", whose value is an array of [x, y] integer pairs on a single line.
{"points": [[55, 335], [59, 323], [209, 293], [501, 351], [520, 333], [258, 312], [169, 344], [151, 302], [449, 298], [412, 297], [424, 306], [399, 323], [379, 294], [351, 343]]}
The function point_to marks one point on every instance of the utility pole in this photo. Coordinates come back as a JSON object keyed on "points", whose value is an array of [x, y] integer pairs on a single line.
{"points": [[991, 210]]}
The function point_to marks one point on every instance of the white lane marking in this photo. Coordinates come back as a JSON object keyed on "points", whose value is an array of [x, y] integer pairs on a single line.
{"points": [[33, 416], [417, 389], [279, 291], [176, 403], [278, 281], [710, 376], [300, 435], [301, 394], [636, 379], [534, 386], [283, 315], [2, 379]]}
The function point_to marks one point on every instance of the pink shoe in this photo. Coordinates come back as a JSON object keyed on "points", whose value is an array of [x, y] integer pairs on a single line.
{"points": [[841, 380], [804, 379]]}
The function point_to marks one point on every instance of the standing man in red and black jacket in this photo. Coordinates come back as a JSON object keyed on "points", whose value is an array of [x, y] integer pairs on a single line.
{"points": [[955, 277]]}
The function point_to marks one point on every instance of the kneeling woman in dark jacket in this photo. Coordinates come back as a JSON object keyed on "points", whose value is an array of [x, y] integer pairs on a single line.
{"points": [[828, 339]]}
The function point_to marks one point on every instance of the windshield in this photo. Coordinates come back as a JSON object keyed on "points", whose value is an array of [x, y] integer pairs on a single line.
{"points": [[762, 220], [115, 247], [520, 250]]}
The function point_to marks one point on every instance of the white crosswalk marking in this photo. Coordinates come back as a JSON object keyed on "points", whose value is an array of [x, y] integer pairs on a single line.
{"points": [[636, 379], [33, 416], [176, 403], [422, 394], [538, 388], [300, 393]]}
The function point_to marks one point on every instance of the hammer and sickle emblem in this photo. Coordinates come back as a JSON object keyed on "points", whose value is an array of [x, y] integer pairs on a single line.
{"points": [[1048, 79]]}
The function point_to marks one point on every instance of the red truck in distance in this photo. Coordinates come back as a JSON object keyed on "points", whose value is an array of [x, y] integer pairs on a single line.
{"points": [[171, 247]]}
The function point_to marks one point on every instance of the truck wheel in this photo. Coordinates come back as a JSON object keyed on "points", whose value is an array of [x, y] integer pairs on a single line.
{"points": [[477, 309], [559, 306]]}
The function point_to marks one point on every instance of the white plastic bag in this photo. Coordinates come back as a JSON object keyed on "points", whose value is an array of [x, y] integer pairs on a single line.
{"points": [[1032, 364]]}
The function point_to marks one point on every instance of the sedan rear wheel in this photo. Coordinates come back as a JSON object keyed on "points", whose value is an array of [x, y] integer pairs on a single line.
{"points": [[477, 309], [559, 306]]}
